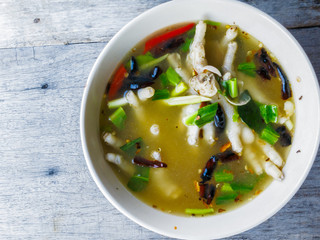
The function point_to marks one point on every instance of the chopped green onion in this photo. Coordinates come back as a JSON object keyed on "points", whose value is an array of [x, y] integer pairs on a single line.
{"points": [[250, 114], [118, 118], [206, 114], [226, 187], [131, 145], [153, 62], [223, 176], [186, 46], [235, 116], [242, 188], [226, 197], [248, 68], [191, 119], [212, 23], [117, 103], [140, 179], [269, 113], [179, 89], [164, 80], [161, 94], [233, 87], [184, 100], [142, 59], [269, 135], [191, 32], [173, 76], [199, 211]]}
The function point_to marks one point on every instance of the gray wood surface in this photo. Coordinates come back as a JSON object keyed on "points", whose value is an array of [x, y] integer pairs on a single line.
{"points": [[46, 191]]}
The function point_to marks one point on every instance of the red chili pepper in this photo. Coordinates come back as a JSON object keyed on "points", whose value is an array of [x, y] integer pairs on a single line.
{"points": [[117, 82], [155, 41]]}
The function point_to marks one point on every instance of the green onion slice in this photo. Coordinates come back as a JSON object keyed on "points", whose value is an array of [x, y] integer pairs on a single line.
{"points": [[118, 118], [197, 211]]}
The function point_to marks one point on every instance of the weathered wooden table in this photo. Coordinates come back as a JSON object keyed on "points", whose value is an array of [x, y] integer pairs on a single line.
{"points": [[47, 49]]}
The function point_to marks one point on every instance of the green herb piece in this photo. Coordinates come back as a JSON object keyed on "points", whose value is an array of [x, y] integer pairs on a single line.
{"points": [[223, 176], [164, 80], [250, 114], [141, 60], [131, 145], [173, 76], [153, 62], [269, 135], [206, 114], [197, 211], [191, 119], [269, 113], [185, 100], [179, 89], [117, 103], [248, 68], [186, 45], [232, 87], [140, 179], [212, 23], [118, 118], [161, 94]]}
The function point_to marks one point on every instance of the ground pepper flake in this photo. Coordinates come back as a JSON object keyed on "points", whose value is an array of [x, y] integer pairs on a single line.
{"points": [[175, 227], [257, 192], [220, 210], [299, 151], [300, 97], [224, 147]]}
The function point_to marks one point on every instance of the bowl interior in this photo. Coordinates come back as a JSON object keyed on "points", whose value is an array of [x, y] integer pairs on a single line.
{"points": [[306, 139]]}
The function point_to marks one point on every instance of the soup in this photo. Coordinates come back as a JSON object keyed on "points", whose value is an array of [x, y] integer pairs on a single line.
{"points": [[197, 119]]}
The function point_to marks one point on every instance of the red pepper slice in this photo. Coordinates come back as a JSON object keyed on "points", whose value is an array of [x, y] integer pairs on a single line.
{"points": [[155, 41], [117, 82]]}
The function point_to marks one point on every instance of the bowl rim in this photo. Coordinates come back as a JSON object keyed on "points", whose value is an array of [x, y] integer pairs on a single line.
{"points": [[89, 162]]}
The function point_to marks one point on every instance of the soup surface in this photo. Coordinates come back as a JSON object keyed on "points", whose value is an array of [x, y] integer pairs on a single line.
{"points": [[195, 125]]}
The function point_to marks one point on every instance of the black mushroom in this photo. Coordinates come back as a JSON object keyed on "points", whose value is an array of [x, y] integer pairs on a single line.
{"points": [[148, 163], [285, 85], [285, 137], [266, 67], [220, 119]]}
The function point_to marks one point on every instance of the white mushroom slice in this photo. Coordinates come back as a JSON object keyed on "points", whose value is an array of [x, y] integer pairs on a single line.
{"points": [[112, 140], [209, 133], [123, 165], [174, 60], [247, 135], [233, 129], [156, 155], [155, 129], [289, 108], [164, 183], [229, 58], [231, 34], [132, 98], [273, 171], [197, 56], [251, 158], [145, 93], [205, 84], [271, 153]]}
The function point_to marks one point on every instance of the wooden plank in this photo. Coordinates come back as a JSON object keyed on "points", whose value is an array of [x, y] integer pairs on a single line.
{"points": [[46, 189], [37, 23]]}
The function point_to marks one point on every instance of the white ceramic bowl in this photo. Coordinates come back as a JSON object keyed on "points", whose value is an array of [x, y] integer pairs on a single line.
{"points": [[306, 139]]}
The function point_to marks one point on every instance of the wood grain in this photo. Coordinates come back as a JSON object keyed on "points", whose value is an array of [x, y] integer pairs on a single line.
{"points": [[46, 191], [38, 23]]}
